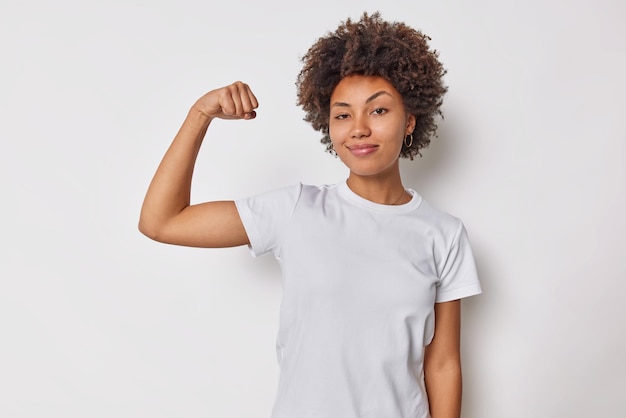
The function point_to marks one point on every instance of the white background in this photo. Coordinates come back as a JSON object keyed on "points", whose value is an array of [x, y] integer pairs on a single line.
{"points": [[98, 321]]}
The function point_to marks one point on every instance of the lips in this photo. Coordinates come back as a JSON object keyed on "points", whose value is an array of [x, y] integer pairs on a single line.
{"points": [[362, 149]]}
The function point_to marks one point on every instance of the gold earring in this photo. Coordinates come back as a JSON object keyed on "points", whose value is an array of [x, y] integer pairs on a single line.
{"points": [[410, 141]]}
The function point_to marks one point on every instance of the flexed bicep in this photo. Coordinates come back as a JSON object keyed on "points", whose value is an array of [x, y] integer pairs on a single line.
{"points": [[167, 214], [208, 225]]}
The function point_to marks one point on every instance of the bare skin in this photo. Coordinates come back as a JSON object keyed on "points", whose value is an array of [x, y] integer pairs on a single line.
{"points": [[367, 125], [442, 362], [167, 215]]}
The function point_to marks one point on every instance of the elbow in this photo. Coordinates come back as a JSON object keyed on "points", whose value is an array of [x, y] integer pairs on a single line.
{"points": [[158, 227], [145, 230], [149, 229], [449, 366]]}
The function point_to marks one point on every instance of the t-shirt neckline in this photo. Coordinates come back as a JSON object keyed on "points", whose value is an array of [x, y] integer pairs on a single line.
{"points": [[414, 203]]}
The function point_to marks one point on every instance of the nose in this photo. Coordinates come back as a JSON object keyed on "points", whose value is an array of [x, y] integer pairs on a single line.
{"points": [[360, 128]]}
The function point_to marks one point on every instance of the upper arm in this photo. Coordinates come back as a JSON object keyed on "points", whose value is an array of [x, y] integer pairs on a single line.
{"points": [[444, 350], [210, 225]]}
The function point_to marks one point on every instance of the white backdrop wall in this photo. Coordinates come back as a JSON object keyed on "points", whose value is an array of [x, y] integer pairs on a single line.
{"points": [[98, 321]]}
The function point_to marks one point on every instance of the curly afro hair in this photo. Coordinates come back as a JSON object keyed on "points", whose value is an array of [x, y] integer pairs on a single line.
{"points": [[374, 47]]}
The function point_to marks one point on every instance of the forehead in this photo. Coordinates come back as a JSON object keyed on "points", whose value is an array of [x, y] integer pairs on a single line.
{"points": [[359, 88]]}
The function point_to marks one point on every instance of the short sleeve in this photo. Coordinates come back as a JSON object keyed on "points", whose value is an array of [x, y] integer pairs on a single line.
{"points": [[458, 278], [265, 217]]}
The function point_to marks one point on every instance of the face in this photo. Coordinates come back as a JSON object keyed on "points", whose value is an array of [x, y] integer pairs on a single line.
{"points": [[368, 124]]}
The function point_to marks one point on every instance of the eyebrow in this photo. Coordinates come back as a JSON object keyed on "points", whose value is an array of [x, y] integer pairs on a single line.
{"points": [[369, 99]]}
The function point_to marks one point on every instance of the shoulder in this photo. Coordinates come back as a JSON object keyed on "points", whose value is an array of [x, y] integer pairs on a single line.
{"points": [[442, 222], [314, 194], [289, 192], [317, 190], [288, 196]]}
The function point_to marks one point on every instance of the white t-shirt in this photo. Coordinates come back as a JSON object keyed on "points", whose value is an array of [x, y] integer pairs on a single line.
{"points": [[360, 281]]}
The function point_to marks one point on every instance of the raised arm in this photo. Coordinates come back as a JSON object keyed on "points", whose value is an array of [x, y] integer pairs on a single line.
{"points": [[167, 215]]}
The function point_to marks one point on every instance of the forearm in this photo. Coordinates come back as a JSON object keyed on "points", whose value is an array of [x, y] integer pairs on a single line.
{"points": [[444, 388], [170, 190], [166, 214]]}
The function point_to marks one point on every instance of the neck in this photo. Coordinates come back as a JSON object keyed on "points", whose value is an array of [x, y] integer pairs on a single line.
{"points": [[386, 191]]}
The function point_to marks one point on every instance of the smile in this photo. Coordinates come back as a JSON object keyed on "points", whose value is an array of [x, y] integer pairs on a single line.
{"points": [[362, 149]]}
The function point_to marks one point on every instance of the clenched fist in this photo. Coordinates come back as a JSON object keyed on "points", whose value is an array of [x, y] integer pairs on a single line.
{"points": [[235, 101]]}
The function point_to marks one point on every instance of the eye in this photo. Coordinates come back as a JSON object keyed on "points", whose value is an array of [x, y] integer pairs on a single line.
{"points": [[341, 116], [380, 111]]}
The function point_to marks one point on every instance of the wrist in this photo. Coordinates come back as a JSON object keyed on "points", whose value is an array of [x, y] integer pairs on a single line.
{"points": [[197, 115]]}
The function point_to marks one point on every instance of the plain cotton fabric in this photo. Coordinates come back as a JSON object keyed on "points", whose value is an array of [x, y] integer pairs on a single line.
{"points": [[360, 281]]}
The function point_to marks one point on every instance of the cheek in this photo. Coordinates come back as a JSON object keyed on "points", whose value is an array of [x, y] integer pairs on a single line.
{"points": [[391, 131], [334, 132]]}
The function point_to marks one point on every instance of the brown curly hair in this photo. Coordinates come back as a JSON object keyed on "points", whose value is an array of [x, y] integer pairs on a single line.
{"points": [[374, 47]]}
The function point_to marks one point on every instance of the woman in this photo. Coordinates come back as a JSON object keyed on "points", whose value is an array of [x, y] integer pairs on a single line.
{"points": [[372, 275]]}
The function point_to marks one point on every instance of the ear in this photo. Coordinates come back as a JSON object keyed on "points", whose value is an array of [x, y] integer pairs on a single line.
{"points": [[410, 124]]}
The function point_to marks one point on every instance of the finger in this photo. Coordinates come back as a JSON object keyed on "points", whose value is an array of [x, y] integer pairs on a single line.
{"points": [[246, 98], [249, 102], [227, 105], [250, 98], [237, 101], [239, 98]]}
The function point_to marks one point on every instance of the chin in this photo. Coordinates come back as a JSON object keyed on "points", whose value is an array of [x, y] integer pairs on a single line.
{"points": [[365, 169], [371, 171]]}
